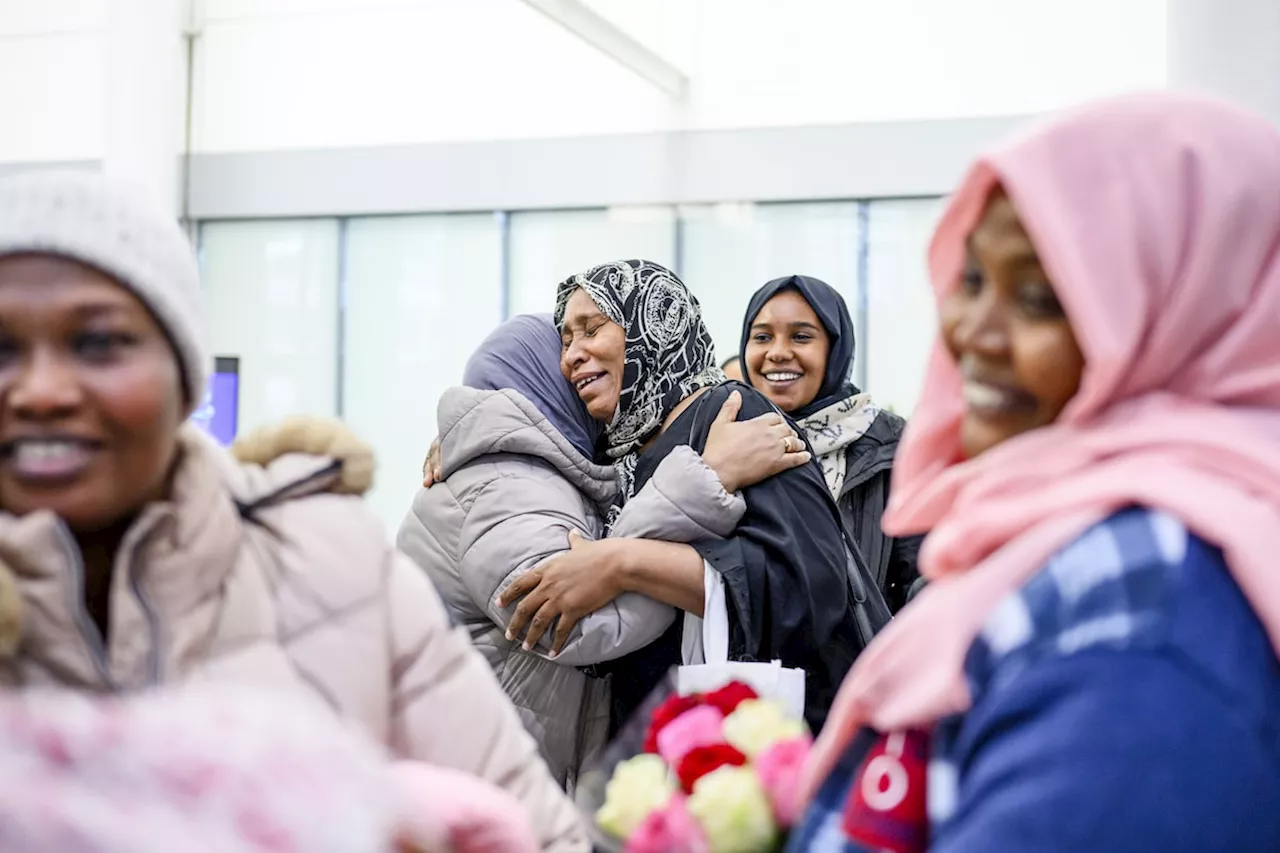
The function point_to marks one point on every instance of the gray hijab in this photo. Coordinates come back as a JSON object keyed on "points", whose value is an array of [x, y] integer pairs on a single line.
{"points": [[523, 354]]}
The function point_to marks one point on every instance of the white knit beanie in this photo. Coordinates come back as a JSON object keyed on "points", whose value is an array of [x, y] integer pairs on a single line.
{"points": [[118, 229]]}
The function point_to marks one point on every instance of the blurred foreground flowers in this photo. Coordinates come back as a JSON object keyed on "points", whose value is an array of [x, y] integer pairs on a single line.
{"points": [[709, 773]]}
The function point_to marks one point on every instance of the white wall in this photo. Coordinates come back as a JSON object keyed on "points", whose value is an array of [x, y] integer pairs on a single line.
{"points": [[767, 62], [275, 74], [826, 61], [1229, 47], [271, 300], [902, 323], [292, 74], [549, 246], [52, 68], [289, 87], [420, 293], [732, 249], [285, 74]]}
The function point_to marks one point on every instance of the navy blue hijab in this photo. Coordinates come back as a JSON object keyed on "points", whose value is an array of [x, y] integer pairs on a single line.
{"points": [[834, 316], [523, 354]]}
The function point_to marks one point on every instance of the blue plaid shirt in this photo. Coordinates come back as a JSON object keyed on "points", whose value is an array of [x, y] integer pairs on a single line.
{"points": [[1125, 699]]}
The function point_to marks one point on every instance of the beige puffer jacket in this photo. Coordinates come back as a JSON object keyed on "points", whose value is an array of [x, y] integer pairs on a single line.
{"points": [[265, 575], [513, 488]]}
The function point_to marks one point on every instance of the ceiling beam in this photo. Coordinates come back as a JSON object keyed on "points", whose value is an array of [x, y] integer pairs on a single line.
{"points": [[615, 43]]}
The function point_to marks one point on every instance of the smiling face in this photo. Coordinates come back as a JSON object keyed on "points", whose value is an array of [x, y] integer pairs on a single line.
{"points": [[786, 355], [1009, 335], [90, 395], [593, 353]]}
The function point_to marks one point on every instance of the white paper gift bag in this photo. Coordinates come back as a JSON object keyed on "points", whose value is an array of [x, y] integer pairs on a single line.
{"points": [[706, 655], [771, 680]]}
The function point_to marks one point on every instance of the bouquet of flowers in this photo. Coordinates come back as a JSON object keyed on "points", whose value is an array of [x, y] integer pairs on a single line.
{"points": [[700, 773]]}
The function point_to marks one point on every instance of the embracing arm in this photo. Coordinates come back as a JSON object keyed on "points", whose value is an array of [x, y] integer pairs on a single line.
{"points": [[683, 501], [693, 495], [689, 498], [664, 571], [517, 522]]}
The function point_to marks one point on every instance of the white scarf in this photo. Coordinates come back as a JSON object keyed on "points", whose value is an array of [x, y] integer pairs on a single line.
{"points": [[831, 431]]}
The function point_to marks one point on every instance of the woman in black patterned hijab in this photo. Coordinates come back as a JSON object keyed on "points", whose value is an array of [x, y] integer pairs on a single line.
{"points": [[638, 353], [667, 354]]}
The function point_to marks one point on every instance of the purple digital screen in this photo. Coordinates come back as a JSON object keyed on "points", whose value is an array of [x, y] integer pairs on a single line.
{"points": [[219, 412], [226, 399]]}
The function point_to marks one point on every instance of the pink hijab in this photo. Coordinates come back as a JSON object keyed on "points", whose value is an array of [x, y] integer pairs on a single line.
{"points": [[1157, 218]]}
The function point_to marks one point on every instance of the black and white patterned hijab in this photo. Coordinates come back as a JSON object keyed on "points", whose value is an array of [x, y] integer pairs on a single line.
{"points": [[669, 353]]}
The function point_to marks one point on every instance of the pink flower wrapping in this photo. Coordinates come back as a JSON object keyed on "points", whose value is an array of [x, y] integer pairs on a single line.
{"points": [[464, 812], [779, 769], [668, 829], [700, 726]]}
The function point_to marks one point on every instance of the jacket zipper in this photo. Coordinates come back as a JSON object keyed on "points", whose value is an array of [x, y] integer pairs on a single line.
{"points": [[89, 629], [89, 632], [153, 621], [864, 475]]}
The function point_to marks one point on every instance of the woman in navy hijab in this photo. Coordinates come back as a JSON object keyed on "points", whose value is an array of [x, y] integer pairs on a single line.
{"points": [[797, 349]]}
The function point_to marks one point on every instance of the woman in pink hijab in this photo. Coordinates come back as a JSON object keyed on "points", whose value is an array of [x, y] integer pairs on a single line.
{"points": [[1097, 461]]}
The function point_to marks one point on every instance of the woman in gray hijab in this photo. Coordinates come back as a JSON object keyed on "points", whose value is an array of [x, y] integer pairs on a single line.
{"points": [[518, 482]]}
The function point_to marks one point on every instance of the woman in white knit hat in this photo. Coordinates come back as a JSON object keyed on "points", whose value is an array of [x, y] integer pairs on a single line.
{"points": [[144, 555]]}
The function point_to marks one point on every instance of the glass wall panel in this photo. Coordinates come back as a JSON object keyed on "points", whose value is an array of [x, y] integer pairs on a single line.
{"points": [[420, 292], [901, 317], [549, 246], [732, 249], [271, 294]]}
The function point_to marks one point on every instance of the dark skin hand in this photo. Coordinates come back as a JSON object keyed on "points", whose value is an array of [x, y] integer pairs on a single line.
{"points": [[562, 591], [577, 582], [566, 588], [431, 466]]}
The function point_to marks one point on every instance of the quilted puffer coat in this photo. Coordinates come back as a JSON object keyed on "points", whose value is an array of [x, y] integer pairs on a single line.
{"points": [[513, 488]]}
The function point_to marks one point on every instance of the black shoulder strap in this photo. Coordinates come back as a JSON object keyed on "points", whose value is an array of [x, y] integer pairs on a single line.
{"points": [[871, 611]]}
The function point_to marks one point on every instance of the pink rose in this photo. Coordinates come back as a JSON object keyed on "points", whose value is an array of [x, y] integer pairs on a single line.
{"points": [[700, 726], [667, 829], [779, 769], [671, 707]]}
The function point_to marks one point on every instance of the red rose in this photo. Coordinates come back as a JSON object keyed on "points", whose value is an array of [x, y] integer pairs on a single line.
{"points": [[728, 698], [672, 707], [701, 760]]}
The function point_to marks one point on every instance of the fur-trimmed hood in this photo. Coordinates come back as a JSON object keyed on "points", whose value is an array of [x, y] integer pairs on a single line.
{"points": [[311, 436], [298, 455]]}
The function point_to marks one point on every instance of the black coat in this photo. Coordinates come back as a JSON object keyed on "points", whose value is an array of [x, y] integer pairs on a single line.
{"points": [[786, 569], [863, 499]]}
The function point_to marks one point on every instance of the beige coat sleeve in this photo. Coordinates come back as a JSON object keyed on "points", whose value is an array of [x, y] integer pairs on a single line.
{"points": [[448, 709]]}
